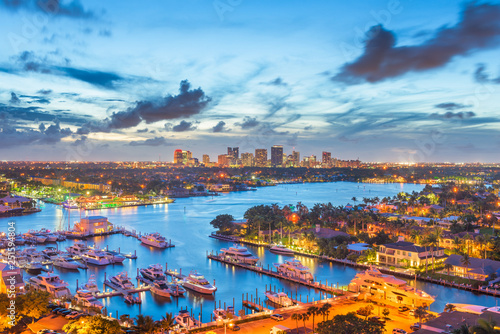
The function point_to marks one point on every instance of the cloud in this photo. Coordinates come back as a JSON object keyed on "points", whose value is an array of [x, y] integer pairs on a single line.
{"points": [[451, 106], [81, 141], [142, 130], [248, 123], [157, 141], [97, 78], [481, 76], [105, 33], [454, 115], [478, 28], [14, 99], [15, 136], [220, 127], [184, 126], [187, 103], [72, 9], [276, 82], [34, 114], [45, 91]]}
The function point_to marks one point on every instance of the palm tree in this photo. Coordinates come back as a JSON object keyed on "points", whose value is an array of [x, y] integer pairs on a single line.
{"points": [[354, 199], [325, 310], [448, 267], [167, 322], [415, 236], [420, 313], [313, 310], [297, 317], [465, 260], [305, 317], [450, 308], [485, 327], [464, 329], [457, 245], [145, 323]]}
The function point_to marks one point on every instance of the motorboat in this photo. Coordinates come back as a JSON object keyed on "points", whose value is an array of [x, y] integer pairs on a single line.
{"points": [[184, 319], [167, 289], [51, 237], [123, 281], [372, 283], [130, 299], [220, 314], [295, 269], [281, 249], [153, 272], [51, 283], [155, 240], [50, 253], [115, 257], [87, 299], [96, 257], [69, 204], [279, 298], [33, 260], [91, 285], [67, 262], [198, 283], [239, 254], [19, 240], [77, 248]]}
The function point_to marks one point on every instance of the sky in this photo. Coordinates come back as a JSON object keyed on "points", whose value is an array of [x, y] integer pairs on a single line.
{"points": [[378, 80]]}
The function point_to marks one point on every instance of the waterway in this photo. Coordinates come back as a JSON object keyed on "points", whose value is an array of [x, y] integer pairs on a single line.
{"points": [[186, 222]]}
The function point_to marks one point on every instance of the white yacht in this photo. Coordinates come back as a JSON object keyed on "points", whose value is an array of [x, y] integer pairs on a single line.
{"points": [[67, 262], [77, 249], [220, 314], [33, 259], [50, 253], [239, 254], [153, 272], [50, 283], [281, 249], [123, 281], [70, 204], [51, 237], [96, 257], [155, 240], [279, 298], [167, 289], [91, 285], [375, 284], [184, 319], [198, 283], [294, 268], [114, 256], [87, 298]]}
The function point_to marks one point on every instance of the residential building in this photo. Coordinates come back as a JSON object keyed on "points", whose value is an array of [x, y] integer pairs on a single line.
{"points": [[261, 157], [11, 279], [277, 156], [405, 253], [93, 225], [104, 188], [247, 159], [478, 269], [234, 152], [178, 157], [206, 159], [326, 158], [296, 158], [224, 159]]}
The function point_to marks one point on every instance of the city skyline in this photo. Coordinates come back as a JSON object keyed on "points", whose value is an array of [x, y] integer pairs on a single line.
{"points": [[377, 80]]}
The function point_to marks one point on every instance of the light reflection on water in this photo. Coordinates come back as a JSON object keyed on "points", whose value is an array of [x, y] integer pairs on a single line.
{"points": [[186, 222]]}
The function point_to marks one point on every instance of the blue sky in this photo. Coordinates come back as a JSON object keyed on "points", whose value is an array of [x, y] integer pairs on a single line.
{"points": [[403, 81]]}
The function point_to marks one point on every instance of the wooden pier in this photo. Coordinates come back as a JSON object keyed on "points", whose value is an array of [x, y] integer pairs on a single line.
{"points": [[258, 269], [255, 306], [119, 291]]}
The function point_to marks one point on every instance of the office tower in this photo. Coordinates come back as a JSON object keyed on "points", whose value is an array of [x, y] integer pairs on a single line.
{"points": [[247, 159], [326, 158], [277, 156], [224, 159], [206, 159], [296, 158], [178, 157], [186, 156], [261, 157], [234, 152]]}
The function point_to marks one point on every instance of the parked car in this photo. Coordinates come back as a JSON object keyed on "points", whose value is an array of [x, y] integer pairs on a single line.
{"points": [[415, 326], [235, 328], [412, 312], [277, 317], [398, 331], [403, 309], [377, 319]]}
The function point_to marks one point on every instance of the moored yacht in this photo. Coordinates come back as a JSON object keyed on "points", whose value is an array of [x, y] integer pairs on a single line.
{"points": [[281, 249], [67, 262], [123, 281], [86, 298], [239, 254], [77, 249], [374, 283], [184, 319], [279, 298], [96, 257], [50, 253], [114, 256], [91, 285], [153, 272], [294, 268], [198, 283], [167, 289], [50, 283], [155, 240], [220, 314]]}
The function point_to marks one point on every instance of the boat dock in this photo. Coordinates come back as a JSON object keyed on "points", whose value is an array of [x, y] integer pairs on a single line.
{"points": [[120, 291], [258, 269], [255, 306]]}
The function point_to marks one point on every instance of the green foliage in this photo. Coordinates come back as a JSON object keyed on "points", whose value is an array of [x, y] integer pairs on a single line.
{"points": [[349, 323], [93, 325], [223, 224], [365, 311], [34, 304]]}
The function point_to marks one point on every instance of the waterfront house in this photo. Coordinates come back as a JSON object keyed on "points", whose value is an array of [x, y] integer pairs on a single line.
{"points": [[403, 253], [220, 187], [93, 225], [14, 202], [478, 269], [11, 277]]}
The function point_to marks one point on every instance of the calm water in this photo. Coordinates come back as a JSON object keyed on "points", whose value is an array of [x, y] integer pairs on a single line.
{"points": [[186, 222]]}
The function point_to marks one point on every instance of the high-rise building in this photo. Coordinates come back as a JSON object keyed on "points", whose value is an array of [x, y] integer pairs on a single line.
{"points": [[326, 158], [296, 158], [178, 157], [186, 157], [206, 159], [224, 159], [277, 155], [261, 157], [247, 159], [234, 152]]}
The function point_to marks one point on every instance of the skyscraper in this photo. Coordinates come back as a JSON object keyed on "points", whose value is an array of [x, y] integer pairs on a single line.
{"points": [[247, 159], [178, 157], [296, 158], [326, 158], [277, 155], [261, 157], [206, 159], [224, 159], [234, 151]]}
